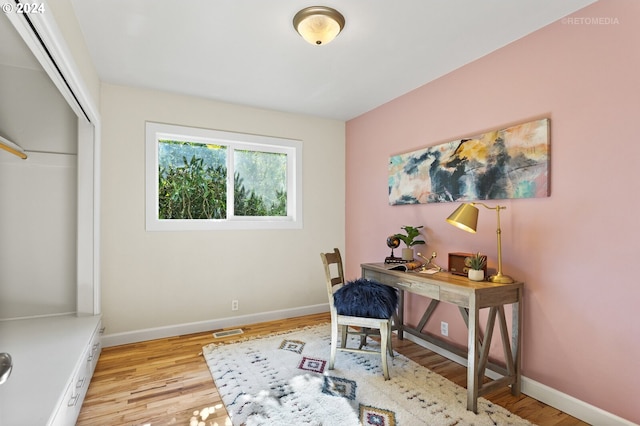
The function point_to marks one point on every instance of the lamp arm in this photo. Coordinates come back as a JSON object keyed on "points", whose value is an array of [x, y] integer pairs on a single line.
{"points": [[497, 208], [498, 235]]}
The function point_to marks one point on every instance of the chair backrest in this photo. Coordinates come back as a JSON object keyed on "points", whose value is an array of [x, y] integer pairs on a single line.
{"points": [[334, 274]]}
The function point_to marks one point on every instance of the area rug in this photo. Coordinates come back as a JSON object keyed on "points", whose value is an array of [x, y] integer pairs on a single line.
{"points": [[284, 380]]}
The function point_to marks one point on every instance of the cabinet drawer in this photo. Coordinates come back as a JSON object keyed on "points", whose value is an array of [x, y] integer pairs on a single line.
{"points": [[71, 402], [95, 348], [64, 415], [69, 409]]}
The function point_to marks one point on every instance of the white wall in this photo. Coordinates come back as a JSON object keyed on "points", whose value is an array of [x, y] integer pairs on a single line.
{"points": [[37, 235], [33, 113], [159, 279], [37, 197]]}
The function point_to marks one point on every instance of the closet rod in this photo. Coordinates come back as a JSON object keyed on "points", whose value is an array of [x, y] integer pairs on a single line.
{"points": [[13, 148]]}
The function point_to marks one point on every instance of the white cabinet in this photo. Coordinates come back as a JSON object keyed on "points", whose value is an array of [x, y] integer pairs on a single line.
{"points": [[53, 354], [53, 361], [69, 410]]}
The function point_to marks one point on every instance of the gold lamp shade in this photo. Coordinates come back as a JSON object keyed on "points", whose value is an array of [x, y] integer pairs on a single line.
{"points": [[465, 217], [318, 24]]}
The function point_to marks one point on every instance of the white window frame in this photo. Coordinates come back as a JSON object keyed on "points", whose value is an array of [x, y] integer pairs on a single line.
{"points": [[293, 148]]}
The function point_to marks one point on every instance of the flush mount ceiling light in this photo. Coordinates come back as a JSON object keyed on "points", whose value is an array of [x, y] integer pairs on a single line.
{"points": [[318, 24]]}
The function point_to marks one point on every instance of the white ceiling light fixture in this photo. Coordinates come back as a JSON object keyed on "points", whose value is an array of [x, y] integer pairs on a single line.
{"points": [[318, 24]]}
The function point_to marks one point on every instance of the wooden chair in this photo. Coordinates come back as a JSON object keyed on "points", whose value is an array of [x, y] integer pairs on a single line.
{"points": [[335, 280]]}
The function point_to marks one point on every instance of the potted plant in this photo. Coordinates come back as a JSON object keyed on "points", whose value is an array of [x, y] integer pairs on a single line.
{"points": [[410, 240], [476, 265]]}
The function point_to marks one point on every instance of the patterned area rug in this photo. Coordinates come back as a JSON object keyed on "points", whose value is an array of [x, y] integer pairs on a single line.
{"points": [[284, 380]]}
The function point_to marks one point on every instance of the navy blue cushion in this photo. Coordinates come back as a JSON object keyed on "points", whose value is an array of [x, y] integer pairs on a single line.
{"points": [[366, 298]]}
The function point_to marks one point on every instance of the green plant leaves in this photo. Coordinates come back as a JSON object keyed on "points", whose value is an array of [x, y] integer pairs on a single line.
{"points": [[412, 233]]}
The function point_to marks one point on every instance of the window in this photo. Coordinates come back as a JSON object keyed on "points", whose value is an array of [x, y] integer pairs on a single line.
{"points": [[199, 179]]}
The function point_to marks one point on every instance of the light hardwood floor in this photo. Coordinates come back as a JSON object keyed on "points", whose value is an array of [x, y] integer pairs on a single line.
{"points": [[167, 382]]}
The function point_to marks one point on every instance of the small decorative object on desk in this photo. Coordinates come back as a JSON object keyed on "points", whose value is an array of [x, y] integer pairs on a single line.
{"points": [[459, 265], [410, 240], [393, 242], [406, 266], [476, 264], [430, 267]]}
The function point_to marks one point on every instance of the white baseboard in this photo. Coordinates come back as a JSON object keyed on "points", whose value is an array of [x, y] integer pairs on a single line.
{"points": [[552, 397], [198, 327], [570, 405]]}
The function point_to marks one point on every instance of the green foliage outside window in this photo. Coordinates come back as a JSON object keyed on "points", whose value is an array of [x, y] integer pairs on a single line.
{"points": [[193, 182], [249, 204], [260, 183], [193, 191]]}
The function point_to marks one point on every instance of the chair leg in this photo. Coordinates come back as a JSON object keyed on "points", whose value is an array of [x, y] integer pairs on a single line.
{"points": [[334, 344], [363, 337], [343, 336], [384, 339], [389, 346]]}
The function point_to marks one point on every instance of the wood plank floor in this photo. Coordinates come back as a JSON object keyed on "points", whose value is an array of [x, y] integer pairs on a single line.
{"points": [[167, 382]]}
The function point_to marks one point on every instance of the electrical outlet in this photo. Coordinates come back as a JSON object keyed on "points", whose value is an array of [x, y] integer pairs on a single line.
{"points": [[444, 328], [234, 305]]}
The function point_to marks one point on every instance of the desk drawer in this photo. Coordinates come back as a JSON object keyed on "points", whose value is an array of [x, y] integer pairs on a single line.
{"points": [[406, 284], [388, 280], [424, 289], [377, 276]]}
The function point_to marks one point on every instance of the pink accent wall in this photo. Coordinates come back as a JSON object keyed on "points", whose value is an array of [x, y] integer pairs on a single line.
{"points": [[577, 251]]}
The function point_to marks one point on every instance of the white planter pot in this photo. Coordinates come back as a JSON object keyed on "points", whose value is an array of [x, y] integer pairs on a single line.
{"points": [[476, 275], [407, 254]]}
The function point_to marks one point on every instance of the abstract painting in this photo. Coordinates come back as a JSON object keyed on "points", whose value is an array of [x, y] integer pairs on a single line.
{"points": [[500, 164]]}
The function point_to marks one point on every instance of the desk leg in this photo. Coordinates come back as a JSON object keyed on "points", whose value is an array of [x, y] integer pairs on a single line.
{"points": [[472, 357], [516, 342], [400, 315]]}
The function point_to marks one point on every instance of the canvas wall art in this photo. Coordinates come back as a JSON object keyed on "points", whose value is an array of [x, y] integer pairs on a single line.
{"points": [[501, 164]]}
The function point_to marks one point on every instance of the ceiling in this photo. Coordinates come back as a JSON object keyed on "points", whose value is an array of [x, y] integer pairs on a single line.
{"points": [[247, 52]]}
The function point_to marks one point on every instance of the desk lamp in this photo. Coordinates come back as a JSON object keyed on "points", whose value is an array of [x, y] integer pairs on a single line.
{"points": [[465, 217]]}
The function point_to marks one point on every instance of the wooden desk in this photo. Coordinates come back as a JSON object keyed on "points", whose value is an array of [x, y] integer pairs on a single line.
{"points": [[470, 297]]}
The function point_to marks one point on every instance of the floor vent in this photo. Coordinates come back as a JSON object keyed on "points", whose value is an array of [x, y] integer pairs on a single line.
{"points": [[227, 333]]}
